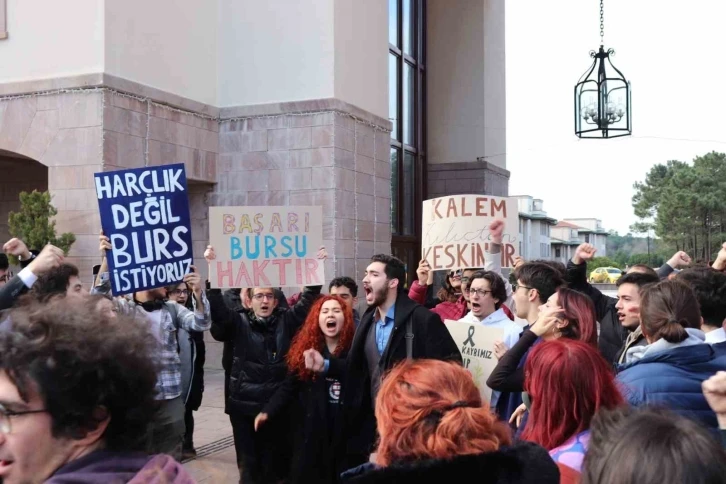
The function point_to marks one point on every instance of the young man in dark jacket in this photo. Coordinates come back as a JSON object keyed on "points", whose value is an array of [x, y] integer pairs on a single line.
{"points": [[380, 342], [619, 318]]}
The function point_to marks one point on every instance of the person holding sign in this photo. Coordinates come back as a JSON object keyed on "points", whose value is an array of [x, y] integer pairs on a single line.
{"points": [[261, 338], [170, 323], [393, 329], [487, 294]]}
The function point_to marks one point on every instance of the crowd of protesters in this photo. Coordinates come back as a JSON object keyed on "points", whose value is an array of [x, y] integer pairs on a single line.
{"points": [[319, 389]]}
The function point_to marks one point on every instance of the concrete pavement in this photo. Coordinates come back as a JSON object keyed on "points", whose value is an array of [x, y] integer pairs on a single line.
{"points": [[216, 461]]}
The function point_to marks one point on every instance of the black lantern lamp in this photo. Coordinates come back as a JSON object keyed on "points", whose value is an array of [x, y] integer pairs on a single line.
{"points": [[602, 97]]}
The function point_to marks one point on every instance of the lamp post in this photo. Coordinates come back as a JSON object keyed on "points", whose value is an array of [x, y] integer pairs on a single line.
{"points": [[602, 96]]}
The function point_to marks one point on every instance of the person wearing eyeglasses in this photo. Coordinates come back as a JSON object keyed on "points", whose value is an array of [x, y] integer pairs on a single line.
{"points": [[261, 335], [179, 293], [77, 403]]}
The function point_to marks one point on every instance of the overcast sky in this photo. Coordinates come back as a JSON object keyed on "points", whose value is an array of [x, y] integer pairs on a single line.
{"points": [[673, 54]]}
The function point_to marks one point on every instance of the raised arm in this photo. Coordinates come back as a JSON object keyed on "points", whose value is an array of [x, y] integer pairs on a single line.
{"points": [[224, 320], [200, 319], [576, 277], [679, 259]]}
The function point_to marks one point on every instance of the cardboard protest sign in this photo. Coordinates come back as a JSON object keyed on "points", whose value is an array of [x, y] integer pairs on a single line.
{"points": [[476, 343], [266, 246], [145, 214], [455, 230]]}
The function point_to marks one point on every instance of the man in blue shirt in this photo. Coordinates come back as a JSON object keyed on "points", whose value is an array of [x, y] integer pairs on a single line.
{"points": [[379, 344]]}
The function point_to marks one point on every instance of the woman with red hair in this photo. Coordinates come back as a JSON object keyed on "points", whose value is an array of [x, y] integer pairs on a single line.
{"points": [[315, 400], [567, 383], [434, 427], [566, 314]]}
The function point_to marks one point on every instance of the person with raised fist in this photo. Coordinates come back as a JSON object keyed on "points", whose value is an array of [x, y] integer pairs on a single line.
{"points": [[619, 317], [34, 267]]}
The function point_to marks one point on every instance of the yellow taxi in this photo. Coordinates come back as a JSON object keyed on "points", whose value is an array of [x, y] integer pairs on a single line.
{"points": [[605, 275]]}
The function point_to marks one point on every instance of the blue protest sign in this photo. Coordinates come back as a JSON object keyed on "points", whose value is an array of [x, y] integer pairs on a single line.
{"points": [[145, 214]]}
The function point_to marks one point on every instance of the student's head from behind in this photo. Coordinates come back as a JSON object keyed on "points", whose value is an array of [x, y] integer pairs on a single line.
{"points": [[710, 289], [262, 301], [576, 313], [71, 381], [487, 293], [431, 409], [4, 269], [330, 318], [651, 446], [346, 289], [643, 269], [567, 382], [385, 277], [536, 282], [62, 280], [629, 289], [666, 310]]}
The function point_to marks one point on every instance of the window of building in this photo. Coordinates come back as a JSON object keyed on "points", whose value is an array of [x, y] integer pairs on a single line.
{"points": [[406, 84], [558, 252], [587, 238]]}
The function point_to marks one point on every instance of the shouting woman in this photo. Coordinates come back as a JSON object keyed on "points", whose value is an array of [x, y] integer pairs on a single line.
{"points": [[315, 399]]}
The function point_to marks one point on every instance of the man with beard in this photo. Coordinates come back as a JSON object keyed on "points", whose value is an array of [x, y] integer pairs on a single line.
{"points": [[393, 329]]}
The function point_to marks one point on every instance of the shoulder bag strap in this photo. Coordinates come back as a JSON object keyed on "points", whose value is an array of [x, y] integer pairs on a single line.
{"points": [[409, 338]]}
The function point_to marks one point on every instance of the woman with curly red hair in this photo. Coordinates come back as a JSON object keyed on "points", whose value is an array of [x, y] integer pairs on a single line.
{"points": [[567, 382], [434, 427], [314, 400]]}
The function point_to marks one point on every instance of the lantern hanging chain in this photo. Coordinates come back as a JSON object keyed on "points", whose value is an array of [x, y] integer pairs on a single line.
{"points": [[602, 24]]}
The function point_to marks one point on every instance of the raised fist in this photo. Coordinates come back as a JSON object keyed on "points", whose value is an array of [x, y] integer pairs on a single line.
{"points": [[584, 253], [17, 248]]}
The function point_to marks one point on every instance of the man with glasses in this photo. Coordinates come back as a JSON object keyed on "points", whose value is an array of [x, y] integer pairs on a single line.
{"points": [[487, 294], [76, 403], [260, 335]]}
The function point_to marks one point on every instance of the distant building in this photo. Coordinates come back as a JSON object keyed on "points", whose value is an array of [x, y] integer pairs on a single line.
{"points": [[534, 229], [565, 239], [571, 232]]}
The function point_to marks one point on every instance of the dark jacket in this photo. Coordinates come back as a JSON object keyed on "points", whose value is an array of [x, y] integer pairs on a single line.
{"points": [[14, 288], [521, 464], [131, 467], [612, 333], [314, 456], [672, 379], [432, 340], [259, 349]]}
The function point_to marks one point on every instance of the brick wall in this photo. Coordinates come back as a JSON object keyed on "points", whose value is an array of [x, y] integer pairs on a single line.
{"points": [[474, 177]]}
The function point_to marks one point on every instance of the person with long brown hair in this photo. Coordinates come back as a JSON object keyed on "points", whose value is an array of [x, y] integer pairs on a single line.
{"points": [[434, 427], [314, 400], [669, 371]]}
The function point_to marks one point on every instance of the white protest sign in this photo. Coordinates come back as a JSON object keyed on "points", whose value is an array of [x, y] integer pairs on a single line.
{"points": [[455, 230], [476, 343], [266, 246]]}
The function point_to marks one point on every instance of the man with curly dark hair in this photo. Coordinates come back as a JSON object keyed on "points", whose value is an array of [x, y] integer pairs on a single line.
{"points": [[77, 394]]}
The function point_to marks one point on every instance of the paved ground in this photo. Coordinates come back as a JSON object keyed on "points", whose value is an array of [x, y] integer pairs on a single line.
{"points": [[215, 463]]}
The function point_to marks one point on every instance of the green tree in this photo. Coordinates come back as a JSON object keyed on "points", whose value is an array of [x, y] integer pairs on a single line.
{"points": [[684, 205], [34, 223]]}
